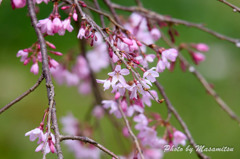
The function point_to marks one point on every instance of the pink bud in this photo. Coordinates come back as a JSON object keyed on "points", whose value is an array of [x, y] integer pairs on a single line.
{"points": [[65, 7], [117, 95], [198, 57], [56, 53], [75, 16], [202, 47], [34, 68], [52, 147], [51, 45], [139, 43], [18, 3], [53, 63], [26, 61], [127, 41]]}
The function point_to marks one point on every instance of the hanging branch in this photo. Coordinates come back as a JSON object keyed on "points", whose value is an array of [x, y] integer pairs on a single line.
{"points": [[134, 138], [205, 84], [47, 76], [40, 79], [158, 17], [235, 8], [90, 141], [180, 120], [116, 51]]}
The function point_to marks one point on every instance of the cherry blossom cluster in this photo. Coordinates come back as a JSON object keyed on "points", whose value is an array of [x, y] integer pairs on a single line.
{"points": [[38, 133], [22, 3], [134, 71], [71, 126], [79, 73], [33, 54]]}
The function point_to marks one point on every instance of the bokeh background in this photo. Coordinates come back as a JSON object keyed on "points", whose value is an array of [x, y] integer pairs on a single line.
{"points": [[209, 125]]}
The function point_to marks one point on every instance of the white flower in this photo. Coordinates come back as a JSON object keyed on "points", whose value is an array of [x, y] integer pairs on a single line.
{"points": [[151, 74], [34, 134], [106, 83], [117, 75]]}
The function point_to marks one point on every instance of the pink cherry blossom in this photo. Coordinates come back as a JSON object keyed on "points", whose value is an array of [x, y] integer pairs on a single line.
{"points": [[198, 57], [85, 87], [57, 25], [34, 69], [148, 136], [23, 55], [81, 33], [141, 121], [40, 1], [18, 3], [138, 88], [125, 131], [147, 97], [53, 63], [46, 26], [106, 83], [34, 134], [98, 57], [81, 68], [153, 153], [98, 112], [155, 33], [59, 74], [202, 47], [160, 66], [151, 74], [117, 75], [67, 25], [179, 138], [71, 78], [119, 88], [113, 107], [70, 124], [170, 54], [49, 146]]}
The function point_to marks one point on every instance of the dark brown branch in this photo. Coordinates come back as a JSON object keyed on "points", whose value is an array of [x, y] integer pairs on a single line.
{"points": [[47, 76], [158, 17], [235, 8], [180, 120], [90, 141], [23, 95]]}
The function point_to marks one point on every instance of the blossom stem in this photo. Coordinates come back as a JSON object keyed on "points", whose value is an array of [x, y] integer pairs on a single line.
{"points": [[47, 76], [40, 79]]}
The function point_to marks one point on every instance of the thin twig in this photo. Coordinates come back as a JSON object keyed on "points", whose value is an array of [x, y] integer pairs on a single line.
{"points": [[40, 79], [235, 8], [116, 51], [112, 10], [101, 16], [90, 141], [205, 84], [159, 17], [130, 131], [180, 120], [47, 76]]}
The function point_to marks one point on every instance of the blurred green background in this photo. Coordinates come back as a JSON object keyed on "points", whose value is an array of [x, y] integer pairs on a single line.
{"points": [[209, 125]]}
